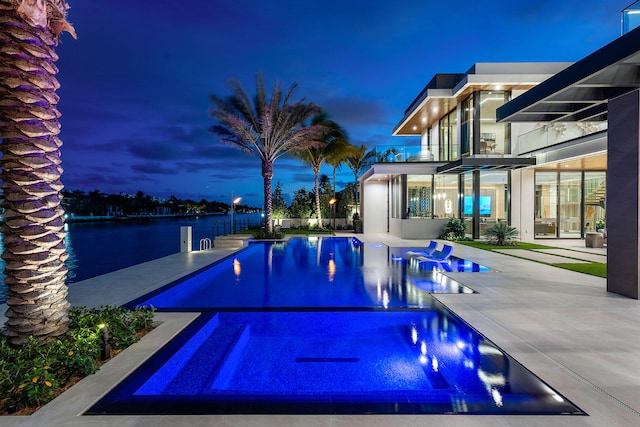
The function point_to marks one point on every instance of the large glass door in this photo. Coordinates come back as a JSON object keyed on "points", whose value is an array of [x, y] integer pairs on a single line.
{"points": [[570, 204], [467, 203], [494, 198], [594, 200], [546, 205]]}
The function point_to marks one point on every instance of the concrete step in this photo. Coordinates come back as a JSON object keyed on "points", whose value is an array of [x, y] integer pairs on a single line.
{"points": [[230, 241]]}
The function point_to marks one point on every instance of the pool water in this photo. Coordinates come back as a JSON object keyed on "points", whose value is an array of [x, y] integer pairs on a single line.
{"points": [[320, 272], [325, 326]]}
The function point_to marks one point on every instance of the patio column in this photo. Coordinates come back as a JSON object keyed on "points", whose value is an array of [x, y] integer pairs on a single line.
{"points": [[623, 191]]}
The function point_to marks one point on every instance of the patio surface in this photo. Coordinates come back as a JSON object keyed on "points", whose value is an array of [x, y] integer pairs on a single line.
{"points": [[561, 325]]}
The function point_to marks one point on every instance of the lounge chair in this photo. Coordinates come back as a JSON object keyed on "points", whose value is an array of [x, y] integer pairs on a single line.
{"points": [[427, 252], [440, 256]]}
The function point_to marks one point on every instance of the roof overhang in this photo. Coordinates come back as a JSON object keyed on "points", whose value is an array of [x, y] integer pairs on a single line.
{"points": [[383, 171], [467, 164], [445, 91], [581, 91]]}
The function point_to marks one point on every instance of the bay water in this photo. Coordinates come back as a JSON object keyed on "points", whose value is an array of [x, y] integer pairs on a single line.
{"points": [[97, 248]]}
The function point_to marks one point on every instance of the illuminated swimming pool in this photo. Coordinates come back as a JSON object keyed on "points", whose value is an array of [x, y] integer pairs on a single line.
{"points": [[325, 326]]}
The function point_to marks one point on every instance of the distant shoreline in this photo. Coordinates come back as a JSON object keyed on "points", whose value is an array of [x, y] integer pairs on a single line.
{"points": [[106, 218]]}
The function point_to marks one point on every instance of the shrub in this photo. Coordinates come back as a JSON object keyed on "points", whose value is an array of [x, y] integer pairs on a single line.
{"points": [[32, 374], [454, 229], [357, 223], [501, 234]]}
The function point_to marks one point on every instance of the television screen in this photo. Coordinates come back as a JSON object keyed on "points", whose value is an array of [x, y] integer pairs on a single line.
{"points": [[485, 205]]}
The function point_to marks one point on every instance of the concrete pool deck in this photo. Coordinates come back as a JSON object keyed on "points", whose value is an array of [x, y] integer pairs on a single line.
{"points": [[561, 325]]}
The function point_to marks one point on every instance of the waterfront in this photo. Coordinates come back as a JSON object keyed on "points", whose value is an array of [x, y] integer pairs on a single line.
{"points": [[97, 248]]}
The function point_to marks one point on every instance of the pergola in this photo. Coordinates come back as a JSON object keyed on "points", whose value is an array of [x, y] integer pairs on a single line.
{"points": [[602, 86]]}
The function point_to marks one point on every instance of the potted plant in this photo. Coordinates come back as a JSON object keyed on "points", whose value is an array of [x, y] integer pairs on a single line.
{"points": [[357, 223]]}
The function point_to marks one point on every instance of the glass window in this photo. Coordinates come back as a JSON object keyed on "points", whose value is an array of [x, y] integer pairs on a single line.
{"points": [[419, 196], [595, 185], [563, 210], [546, 204], [494, 198], [494, 137], [396, 196], [448, 137], [570, 200], [467, 203], [466, 126], [445, 196]]}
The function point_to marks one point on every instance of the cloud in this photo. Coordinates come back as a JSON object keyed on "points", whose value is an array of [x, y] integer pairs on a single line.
{"points": [[155, 169], [354, 110], [93, 180]]}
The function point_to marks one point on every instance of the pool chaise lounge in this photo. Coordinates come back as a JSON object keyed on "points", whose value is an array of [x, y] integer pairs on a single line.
{"points": [[440, 256], [427, 252]]}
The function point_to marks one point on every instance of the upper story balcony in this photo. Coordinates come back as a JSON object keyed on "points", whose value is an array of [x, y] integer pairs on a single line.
{"points": [[402, 153], [555, 133]]}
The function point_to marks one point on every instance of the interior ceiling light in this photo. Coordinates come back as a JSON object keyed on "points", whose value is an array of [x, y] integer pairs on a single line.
{"points": [[415, 128]]}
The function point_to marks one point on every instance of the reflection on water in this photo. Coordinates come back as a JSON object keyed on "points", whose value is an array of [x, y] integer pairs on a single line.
{"points": [[314, 272], [102, 247]]}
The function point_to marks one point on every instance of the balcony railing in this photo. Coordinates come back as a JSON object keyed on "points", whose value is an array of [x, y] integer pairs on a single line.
{"points": [[402, 153], [555, 133]]}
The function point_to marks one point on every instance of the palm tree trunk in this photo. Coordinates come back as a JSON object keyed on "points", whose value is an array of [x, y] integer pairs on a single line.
{"points": [[317, 188], [334, 182], [33, 226], [267, 175]]}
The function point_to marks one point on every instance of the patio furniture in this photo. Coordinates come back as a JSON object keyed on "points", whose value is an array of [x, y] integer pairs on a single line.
{"points": [[440, 256], [594, 240], [428, 251]]}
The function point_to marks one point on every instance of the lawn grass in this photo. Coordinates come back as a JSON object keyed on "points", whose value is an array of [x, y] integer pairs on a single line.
{"points": [[598, 269], [306, 232], [518, 245], [593, 268], [292, 231]]}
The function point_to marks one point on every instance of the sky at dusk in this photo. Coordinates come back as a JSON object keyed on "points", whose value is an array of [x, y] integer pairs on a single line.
{"points": [[135, 86]]}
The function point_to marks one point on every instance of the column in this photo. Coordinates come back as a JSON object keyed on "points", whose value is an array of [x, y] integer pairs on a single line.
{"points": [[623, 191]]}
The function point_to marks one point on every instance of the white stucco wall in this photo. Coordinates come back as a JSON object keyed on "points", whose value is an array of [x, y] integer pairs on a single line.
{"points": [[375, 209], [522, 202], [417, 228]]}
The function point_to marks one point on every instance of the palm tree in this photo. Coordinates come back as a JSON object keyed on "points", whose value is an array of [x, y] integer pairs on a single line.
{"points": [[33, 227], [267, 128], [315, 155], [358, 161], [340, 151]]}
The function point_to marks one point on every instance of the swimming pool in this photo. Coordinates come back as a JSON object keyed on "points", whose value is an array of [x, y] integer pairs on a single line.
{"points": [[325, 326]]}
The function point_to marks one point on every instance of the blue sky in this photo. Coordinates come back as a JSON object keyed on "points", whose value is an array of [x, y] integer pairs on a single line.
{"points": [[135, 86]]}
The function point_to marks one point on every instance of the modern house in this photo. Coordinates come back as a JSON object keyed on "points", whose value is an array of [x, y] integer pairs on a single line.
{"points": [[551, 148]]}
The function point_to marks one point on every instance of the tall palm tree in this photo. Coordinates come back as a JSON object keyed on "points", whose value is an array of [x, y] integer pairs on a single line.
{"points": [[266, 128], [33, 226], [331, 138], [358, 161], [340, 151]]}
